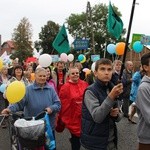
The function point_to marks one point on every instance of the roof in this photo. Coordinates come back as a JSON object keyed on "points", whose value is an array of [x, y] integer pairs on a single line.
{"points": [[10, 43]]}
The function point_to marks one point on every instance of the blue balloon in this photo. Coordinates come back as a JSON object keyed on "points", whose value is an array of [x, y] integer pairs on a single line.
{"points": [[138, 46], [2, 88], [96, 58], [80, 57], [111, 48]]}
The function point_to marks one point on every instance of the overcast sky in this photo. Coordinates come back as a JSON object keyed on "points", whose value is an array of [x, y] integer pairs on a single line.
{"points": [[40, 11]]}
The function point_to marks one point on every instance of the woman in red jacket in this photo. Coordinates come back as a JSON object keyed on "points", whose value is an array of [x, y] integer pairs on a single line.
{"points": [[71, 96]]}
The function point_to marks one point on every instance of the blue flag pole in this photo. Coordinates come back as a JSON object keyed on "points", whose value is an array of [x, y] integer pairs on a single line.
{"points": [[127, 39]]}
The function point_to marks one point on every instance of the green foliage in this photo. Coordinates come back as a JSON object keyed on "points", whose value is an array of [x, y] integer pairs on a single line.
{"points": [[22, 54], [47, 36], [22, 39], [81, 27], [77, 25]]}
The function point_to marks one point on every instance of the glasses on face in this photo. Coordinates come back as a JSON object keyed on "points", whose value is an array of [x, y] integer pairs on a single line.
{"points": [[73, 73]]}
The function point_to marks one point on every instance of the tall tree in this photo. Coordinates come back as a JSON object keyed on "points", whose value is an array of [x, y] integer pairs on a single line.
{"points": [[47, 36], [81, 27], [22, 37]]}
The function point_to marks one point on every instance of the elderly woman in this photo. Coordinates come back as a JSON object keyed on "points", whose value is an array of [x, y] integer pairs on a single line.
{"points": [[71, 96], [39, 96]]}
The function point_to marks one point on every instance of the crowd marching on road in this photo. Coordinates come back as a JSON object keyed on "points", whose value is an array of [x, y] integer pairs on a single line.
{"points": [[90, 109]]}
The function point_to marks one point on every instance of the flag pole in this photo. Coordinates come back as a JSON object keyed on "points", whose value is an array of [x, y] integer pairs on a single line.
{"points": [[127, 39]]}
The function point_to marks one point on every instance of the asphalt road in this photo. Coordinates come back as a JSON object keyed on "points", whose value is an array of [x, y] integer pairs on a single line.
{"points": [[4, 138], [126, 135]]}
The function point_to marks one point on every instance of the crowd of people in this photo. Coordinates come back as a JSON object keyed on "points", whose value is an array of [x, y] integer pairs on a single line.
{"points": [[87, 105]]}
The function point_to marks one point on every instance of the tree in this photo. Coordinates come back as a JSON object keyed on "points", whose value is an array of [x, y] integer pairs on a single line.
{"points": [[81, 27], [47, 36], [22, 40]]}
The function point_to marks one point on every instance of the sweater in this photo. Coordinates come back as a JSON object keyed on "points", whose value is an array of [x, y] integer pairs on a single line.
{"points": [[143, 111]]}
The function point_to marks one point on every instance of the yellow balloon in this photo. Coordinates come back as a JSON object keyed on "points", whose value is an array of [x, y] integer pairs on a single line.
{"points": [[1, 63], [15, 91]]}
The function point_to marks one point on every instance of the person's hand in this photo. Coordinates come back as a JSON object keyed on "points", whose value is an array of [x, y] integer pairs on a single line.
{"points": [[49, 111], [114, 112], [116, 91], [5, 111]]}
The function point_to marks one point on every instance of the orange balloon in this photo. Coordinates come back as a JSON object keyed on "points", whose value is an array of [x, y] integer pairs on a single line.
{"points": [[120, 47], [87, 72]]}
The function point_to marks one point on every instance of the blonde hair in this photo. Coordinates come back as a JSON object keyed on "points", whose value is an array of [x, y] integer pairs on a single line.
{"points": [[117, 61], [4, 67], [73, 67]]}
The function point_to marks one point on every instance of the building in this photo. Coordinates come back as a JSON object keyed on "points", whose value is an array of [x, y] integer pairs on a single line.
{"points": [[7, 46], [136, 57]]}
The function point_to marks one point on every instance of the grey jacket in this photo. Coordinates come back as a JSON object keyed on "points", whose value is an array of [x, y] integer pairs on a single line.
{"points": [[143, 110]]}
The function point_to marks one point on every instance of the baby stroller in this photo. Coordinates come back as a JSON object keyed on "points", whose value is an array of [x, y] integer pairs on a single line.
{"points": [[30, 132]]}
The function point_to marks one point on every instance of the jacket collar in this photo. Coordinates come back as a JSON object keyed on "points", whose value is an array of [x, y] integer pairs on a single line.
{"points": [[102, 85], [36, 86]]}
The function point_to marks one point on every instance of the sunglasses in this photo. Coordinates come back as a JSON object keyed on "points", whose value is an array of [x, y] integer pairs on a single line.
{"points": [[73, 73]]}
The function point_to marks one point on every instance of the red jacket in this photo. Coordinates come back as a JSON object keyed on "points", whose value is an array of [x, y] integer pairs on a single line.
{"points": [[71, 96]]}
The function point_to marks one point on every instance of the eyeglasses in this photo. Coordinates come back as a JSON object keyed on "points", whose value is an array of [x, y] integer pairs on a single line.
{"points": [[73, 73]]}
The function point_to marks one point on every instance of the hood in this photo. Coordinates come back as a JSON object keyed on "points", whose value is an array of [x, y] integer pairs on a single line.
{"points": [[145, 79]]}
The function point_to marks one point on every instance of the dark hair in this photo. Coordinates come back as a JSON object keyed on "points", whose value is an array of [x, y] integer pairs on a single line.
{"points": [[145, 59], [103, 61], [50, 72], [17, 67], [60, 62]]}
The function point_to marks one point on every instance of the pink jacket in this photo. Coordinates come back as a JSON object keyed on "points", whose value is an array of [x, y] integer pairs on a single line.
{"points": [[53, 84]]}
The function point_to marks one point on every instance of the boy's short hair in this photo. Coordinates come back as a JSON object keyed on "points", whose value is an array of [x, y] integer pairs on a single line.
{"points": [[103, 61], [145, 59]]}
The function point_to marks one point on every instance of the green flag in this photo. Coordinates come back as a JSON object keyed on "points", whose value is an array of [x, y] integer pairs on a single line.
{"points": [[114, 23], [61, 43]]}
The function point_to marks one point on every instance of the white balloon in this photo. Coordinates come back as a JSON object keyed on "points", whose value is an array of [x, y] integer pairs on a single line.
{"points": [[70, 57], [45, 60], [93, 66]]}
